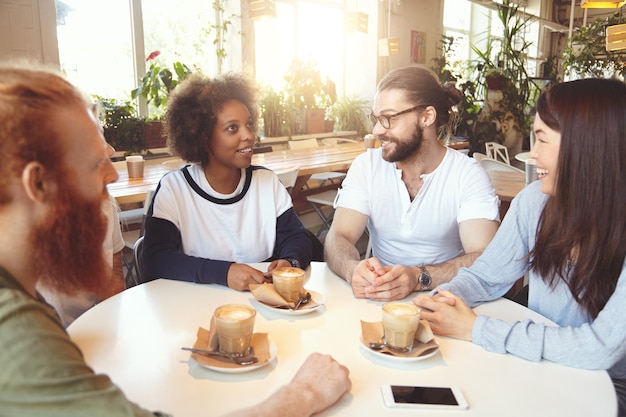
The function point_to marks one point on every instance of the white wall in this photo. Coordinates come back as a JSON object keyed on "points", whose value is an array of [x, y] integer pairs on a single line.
{"points": [[28, 31], [411, 15]]}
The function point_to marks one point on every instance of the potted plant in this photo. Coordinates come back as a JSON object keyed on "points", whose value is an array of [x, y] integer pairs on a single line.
{"points": [[503, 70], [272, 112], [441, 64], [350, 114], [123, 129], [586, 56], [155, 86], [307, 95], [157, 83]]}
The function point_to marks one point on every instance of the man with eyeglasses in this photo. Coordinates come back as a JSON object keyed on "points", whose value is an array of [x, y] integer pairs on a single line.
{"points": [[429, 210]]}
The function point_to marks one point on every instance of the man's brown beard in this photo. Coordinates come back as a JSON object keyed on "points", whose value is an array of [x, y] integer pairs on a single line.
{"points": [[406, 149], [68, 256]]}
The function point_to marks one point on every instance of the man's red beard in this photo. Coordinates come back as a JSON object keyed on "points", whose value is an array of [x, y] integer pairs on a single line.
{"points": [[68, 256]]}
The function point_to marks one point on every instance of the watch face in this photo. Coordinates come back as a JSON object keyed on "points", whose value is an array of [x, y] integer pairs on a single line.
{"points": [[425, 279]]}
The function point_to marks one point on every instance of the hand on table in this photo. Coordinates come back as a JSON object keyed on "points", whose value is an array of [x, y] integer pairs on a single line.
{"points": [[382, 283], [240, 276], [447, 314], [319, 383], [323, 380]]}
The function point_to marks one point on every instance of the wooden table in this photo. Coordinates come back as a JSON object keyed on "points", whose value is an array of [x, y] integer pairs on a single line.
{"points": [[310, 161], [135, 337], [507, 184], [133, 190]]}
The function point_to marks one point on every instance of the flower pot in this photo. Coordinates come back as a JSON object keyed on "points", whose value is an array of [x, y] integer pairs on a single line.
{"points": [[329, 125], [315, 120], [495, 82], [153, 135]]}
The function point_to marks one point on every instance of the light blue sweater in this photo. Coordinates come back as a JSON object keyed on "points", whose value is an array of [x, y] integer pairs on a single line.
{"points": [[579, 341]]}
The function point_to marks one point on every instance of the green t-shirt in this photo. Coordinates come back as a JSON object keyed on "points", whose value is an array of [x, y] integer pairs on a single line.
{"points": [[42, 372]]}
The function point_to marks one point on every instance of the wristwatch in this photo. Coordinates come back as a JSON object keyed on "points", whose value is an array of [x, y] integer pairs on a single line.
{"points": [[425, 280], [294, 262]]}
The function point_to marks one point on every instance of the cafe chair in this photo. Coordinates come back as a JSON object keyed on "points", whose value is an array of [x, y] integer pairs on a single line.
{"points": [[322, 177], [493, 165], [137, 248], [337, 141], [498, 152], [318, 202], [479, 156], [288, 178], [131, 236]]}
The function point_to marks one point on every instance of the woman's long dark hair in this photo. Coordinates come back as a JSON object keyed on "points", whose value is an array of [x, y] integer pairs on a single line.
{"points": [[581, 237]]}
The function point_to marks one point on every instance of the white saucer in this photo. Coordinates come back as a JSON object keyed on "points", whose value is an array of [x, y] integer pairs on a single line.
{"points": [[400, 359], [315, 297], [242, 369]]}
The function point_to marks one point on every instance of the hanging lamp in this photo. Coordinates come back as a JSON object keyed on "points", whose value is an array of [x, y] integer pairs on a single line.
{"points": [[599, 4], [356, 22], [616, 37], [260, 9], [388, 46]]}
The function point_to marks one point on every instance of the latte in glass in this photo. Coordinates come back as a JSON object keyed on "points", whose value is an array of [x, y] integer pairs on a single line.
{"points": [[400, 322], [234, 325], [288, 282]]}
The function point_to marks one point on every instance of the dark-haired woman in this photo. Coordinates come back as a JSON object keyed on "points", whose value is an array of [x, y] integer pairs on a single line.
{"points": [[568, 231], [209, 219]]}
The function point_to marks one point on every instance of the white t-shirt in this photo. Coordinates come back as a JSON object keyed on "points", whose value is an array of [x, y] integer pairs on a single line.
{"points": [[238, 227], [425, 230]]}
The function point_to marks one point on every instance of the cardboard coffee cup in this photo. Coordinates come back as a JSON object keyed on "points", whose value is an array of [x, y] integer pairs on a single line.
{"points": [[531, 170], [369, 141], [288, 282], [400, 322], [134, 164], [234, 325]]}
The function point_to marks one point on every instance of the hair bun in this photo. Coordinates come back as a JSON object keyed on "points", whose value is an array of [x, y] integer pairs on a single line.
{"points": [[455, 96]]}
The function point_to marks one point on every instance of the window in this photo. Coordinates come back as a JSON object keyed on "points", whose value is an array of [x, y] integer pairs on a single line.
{"points": [[96, 41], [95, 53], [471, 23]]}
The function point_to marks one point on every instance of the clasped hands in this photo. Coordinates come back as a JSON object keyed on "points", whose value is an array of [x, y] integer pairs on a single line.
{"points": [[372, 280], [447, 314]]}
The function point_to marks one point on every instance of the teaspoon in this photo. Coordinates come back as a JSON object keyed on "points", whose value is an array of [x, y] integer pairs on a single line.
{"points": [[240, 360], [303, 299]]}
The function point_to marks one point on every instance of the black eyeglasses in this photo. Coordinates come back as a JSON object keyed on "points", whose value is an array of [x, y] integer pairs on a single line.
{"points": [[385, 120]]}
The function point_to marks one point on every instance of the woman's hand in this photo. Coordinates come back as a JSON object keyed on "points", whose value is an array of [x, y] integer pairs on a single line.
{"points": [[240, 276], [447, 314], [278, 263]]}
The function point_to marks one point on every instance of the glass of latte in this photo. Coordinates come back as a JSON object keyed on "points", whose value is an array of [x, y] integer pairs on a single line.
{"points": [[288, 282], [234, 325], [400, 322]]}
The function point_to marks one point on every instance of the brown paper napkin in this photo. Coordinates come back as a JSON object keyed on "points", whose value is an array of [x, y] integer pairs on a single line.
{"points": [[207, 339], [266, 294], [372, 332]]}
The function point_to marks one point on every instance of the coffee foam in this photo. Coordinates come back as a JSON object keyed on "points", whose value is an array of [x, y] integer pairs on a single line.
{"points": [[235, 313], [401, 309], [288, 272]]}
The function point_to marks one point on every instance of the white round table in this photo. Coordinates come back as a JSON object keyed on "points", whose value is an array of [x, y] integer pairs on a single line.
{"points": [[135, 337], [522, 156]]}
